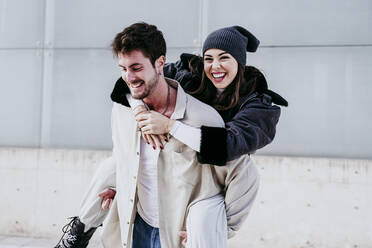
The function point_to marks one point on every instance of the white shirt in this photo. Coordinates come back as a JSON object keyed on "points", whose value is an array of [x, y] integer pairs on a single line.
{"points": [[147, 184]]}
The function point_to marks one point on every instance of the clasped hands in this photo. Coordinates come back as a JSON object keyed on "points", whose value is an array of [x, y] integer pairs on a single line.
{"points": [[153, 125]]}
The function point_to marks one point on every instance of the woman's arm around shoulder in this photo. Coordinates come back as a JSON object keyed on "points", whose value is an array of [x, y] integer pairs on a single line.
{"points": [[251, 128]]}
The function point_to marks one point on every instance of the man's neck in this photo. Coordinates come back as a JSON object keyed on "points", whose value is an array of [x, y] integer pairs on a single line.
{"points": [[163, 98]]}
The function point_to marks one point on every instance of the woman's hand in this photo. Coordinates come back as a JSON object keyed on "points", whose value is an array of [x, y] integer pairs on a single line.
{"points": [[153, 139], [152, 122]]}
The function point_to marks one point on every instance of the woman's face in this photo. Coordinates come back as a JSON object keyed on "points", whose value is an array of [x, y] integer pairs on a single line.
{"points": [[220, 67]]}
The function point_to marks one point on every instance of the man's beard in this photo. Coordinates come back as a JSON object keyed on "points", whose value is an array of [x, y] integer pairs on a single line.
{"points": [[149, 86]]}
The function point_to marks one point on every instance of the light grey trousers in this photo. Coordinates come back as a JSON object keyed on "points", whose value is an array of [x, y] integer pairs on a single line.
{"points": [[208, 221], [206, 224], [91, 212]]}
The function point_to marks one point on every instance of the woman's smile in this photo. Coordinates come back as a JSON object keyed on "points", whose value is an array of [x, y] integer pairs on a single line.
{"points": [[220, 67]]}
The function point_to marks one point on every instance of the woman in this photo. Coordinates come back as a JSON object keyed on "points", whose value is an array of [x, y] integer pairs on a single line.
{"points": [[238, 92]]}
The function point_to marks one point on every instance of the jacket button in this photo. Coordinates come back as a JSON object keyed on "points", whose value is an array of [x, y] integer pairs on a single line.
{"points": [[137, 153], [125, 244], [134, 177], [131, 200], [128, 223]]}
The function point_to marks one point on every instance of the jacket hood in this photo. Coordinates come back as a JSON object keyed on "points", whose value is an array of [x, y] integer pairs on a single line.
{"points": [[253, 74], [119, 91]]}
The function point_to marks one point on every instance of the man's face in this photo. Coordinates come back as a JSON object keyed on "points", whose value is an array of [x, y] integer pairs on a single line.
{"points": [[139, 74]]}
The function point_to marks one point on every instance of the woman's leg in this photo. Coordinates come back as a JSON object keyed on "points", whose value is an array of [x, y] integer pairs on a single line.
{"points": [[91, 212], [206, 224], [211, 221], [78, 232]]}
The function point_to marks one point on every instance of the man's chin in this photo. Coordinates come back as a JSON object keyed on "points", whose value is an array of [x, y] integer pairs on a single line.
{"points": [[138, 96]]}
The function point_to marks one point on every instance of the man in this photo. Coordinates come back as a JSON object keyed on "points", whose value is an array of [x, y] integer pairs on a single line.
{"points": [[162, 192]]}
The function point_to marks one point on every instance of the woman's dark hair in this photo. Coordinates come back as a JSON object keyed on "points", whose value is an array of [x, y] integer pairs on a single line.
{"points": [[140, 36], [245, 82]]}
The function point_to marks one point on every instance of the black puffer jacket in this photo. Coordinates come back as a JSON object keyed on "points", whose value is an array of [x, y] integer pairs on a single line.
{"points": [[249, 126]]}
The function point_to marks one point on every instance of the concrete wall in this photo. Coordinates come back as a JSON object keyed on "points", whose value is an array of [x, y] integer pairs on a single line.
{"points": [[302, 202], [56, 71]]}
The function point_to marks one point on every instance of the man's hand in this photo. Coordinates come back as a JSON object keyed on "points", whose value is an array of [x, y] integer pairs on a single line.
{"points": [[183, 235], [108, 195]]}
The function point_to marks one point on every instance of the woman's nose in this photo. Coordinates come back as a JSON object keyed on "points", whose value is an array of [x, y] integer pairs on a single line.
{"points": [[216, 64]]}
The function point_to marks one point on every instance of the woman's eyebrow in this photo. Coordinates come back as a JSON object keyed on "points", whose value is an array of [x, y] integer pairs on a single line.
{"points": [[208, 55], [222, 53]]}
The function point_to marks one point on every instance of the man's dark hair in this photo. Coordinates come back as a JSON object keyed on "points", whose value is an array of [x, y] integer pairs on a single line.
{"points": [[140, 36]]}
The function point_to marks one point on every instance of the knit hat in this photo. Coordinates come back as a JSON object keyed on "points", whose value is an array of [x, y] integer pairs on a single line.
{"points": [[235, 40]]}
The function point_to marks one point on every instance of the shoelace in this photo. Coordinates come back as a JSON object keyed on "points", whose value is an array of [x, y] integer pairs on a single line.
{"points": [[69, 240], [65, 229]]}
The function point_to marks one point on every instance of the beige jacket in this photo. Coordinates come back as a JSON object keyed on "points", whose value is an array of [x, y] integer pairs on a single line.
{"points": [[182, 181]]}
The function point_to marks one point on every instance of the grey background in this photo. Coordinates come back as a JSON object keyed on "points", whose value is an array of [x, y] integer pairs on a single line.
{"points": [[57, 72]]}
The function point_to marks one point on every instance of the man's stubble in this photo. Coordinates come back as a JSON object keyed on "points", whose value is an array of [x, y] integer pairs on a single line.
{"points": [[149, 87]]}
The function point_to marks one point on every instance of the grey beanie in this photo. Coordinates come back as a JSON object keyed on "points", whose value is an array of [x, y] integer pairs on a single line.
{"points": [[235, 40]]}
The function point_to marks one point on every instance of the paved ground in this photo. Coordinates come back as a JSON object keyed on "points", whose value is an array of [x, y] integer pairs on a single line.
{"points": [[17, 242]]}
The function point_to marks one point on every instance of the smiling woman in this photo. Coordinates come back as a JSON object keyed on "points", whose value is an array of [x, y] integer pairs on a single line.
{"points": [[220, 67], [220, 82]]}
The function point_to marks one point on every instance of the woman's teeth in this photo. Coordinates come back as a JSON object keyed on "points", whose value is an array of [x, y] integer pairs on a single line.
{"points": [[218, 75]]}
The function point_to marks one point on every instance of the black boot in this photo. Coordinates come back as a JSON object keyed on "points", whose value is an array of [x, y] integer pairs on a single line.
{"points": [[74, 235]]}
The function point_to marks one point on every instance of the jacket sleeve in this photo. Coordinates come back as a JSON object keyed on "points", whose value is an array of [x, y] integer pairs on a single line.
{"points": [[252, 128]]}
